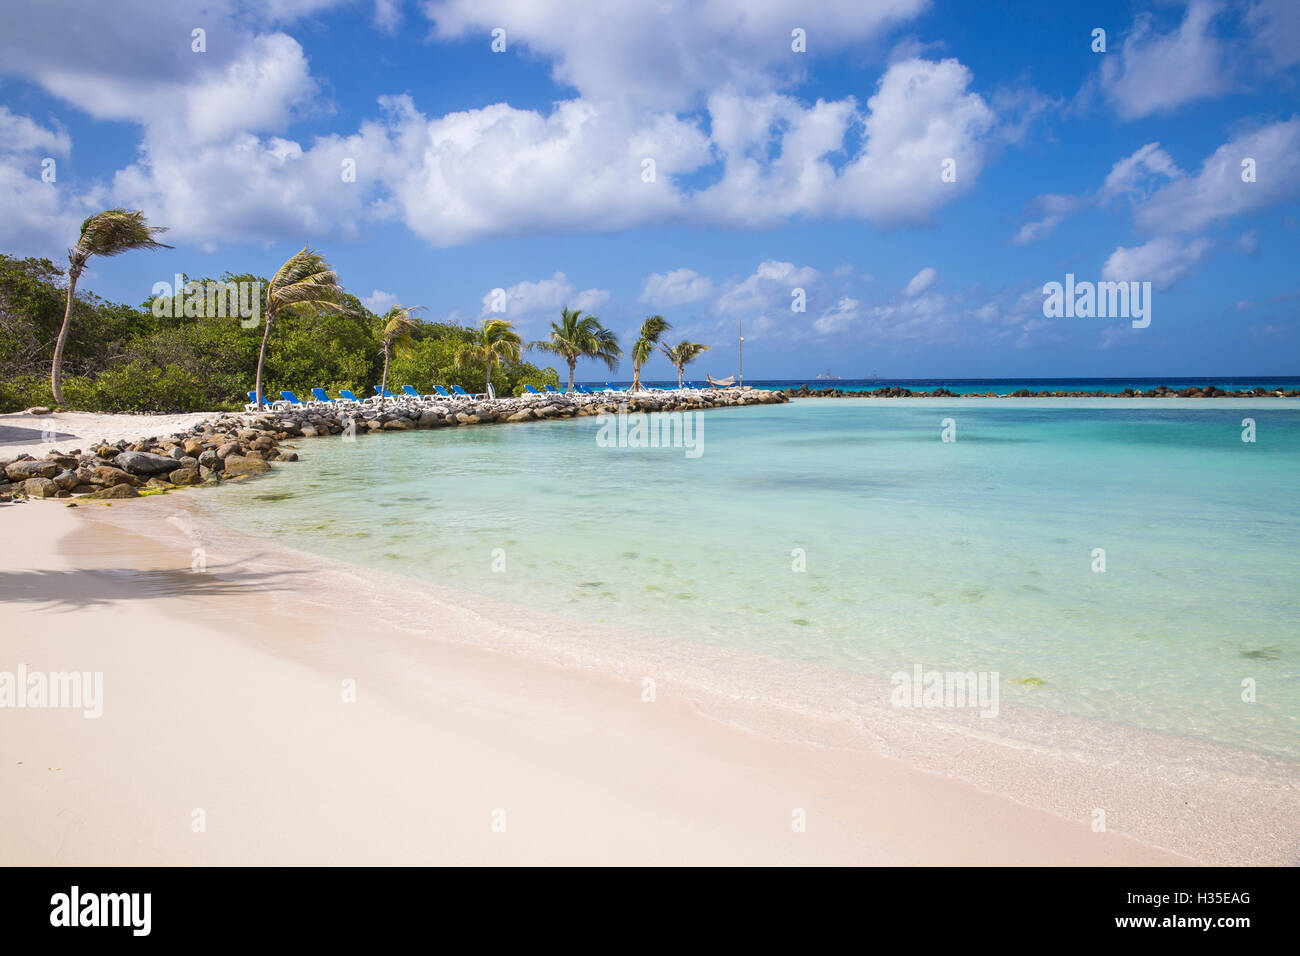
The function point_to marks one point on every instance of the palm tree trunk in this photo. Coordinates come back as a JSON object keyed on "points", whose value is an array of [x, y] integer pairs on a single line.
{"points": [[573, 364], [56, 368], [488, 390], [636, 377], [383, 382], [261, 359], [680, 370]]}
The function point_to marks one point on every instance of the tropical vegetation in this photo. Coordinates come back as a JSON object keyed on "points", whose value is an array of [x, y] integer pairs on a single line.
{"points": [[578, 336]]}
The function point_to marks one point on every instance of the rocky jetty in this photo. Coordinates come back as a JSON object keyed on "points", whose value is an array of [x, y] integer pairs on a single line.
{"points": [[1160, 391], [238, 447]]}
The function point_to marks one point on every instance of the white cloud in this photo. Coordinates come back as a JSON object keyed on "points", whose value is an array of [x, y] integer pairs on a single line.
{"points": [[922, 114], [1218, 192], [1162, 261], [678, 50], [1134, 175], [379, 301], [216, 161], [388, 16], [921, 281], [37, 217], [678, 287], [1156, 72], [1277, 26], [839, 317], [767, 291], [546, 297]]}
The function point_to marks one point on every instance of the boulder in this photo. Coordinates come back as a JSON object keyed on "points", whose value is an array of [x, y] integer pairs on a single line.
{"points": [[396, 425], [23, 470], [66, 480], [108, 476], [185, 475], [144, 463], [237, 465], [40, 488], [116, 491]]}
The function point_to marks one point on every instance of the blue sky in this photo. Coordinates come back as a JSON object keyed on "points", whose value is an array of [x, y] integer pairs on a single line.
{"points": [[774, 170]]}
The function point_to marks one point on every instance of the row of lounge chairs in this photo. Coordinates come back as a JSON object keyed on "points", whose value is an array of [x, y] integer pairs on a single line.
{"points": [[321, 398]]}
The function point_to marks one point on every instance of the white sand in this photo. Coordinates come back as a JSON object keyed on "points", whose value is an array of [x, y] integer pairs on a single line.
{"points": [[23, 434], [222, 694]]}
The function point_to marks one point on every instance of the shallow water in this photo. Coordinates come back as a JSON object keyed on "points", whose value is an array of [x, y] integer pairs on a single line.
{"points": [[971, 555]]}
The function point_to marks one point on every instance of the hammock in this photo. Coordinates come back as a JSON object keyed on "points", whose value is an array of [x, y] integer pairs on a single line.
{"points": [[721, 382]]}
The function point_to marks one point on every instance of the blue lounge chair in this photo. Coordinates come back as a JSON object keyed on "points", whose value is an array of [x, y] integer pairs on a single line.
{"points": [[442, 392], [382, 393], [292, 399], [348, 396], [612, 390], [531, 391], [461, 393], [410, 390], [550, 390], [252, 403], [322, 396]]}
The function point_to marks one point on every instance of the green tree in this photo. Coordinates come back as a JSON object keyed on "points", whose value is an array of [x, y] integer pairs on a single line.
{"points": [[578, 336], [305, 278], [108, 233], [494, 341], [399, 335], [682, 354], [651, 329]]}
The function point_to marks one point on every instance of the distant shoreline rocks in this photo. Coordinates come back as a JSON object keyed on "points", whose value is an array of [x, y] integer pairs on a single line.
{"points": [[1160, 391], [236, 447]]}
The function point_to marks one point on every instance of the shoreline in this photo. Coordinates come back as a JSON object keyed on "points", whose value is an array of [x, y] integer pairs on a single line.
{"points": [[242, 719]]}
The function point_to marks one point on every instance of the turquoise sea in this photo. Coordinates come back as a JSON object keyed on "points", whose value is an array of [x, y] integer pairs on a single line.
{"points": [[852, 536]]}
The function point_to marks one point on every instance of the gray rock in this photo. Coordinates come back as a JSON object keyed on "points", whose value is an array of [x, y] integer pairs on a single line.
{"points": [[144, 463]]}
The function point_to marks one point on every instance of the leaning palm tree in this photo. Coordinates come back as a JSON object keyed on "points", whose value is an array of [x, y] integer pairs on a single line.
{"points": [[653, 327], [399, 329], [682, 354], [496, 340], [305, 279], [108, 233], [578, 336]]}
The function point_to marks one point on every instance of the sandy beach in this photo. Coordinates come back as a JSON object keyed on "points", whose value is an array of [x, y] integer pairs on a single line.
{"points": [[23, 434], [226, 738]]}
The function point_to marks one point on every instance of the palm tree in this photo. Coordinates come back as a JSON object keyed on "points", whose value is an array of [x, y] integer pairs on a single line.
{"points": [[108, 233], [305, 279], [496, 340], [398, 331], [577, 336], [653, 327], [682, 354]]}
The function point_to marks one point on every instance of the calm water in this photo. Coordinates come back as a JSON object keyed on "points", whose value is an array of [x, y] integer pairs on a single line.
{"points": [[975, 554]]}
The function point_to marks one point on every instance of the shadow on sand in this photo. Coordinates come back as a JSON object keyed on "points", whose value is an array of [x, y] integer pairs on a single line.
{"points": [[14, 435], [76, 588]]}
